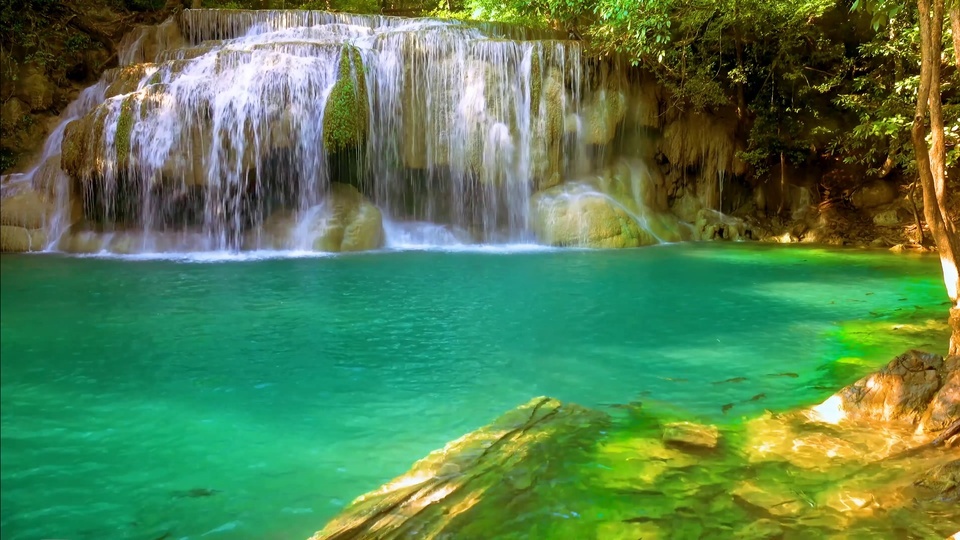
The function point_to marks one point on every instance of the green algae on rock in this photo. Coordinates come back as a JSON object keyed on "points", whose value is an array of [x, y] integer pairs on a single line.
{"points": [[346, 113]]}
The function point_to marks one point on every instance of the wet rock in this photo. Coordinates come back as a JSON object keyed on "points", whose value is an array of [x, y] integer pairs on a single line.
{"points": [[348, 222], [690, 434], [944, 408], [943, 481], [430, 502], [775, 499], [578, 216], [638, 462], [20, 240], [762, 529], [26, 209], [712, 225], [901, 392]]}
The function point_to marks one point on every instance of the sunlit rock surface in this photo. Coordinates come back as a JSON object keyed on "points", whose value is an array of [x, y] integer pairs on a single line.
{"points": [[464, 489], [541, 471]]}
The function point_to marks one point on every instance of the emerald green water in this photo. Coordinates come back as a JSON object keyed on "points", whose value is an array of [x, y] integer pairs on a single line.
{"points": [[287, 387]]}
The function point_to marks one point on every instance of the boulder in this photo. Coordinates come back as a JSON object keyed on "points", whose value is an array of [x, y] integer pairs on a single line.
{"points": [[575, 215], [20, 240], [346, 222], [713, 225], [690, 434], [901, 392], [25, 209], [873, 194]]}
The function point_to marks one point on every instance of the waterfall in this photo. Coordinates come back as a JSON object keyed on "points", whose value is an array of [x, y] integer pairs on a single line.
{"points": [[246, 130]]}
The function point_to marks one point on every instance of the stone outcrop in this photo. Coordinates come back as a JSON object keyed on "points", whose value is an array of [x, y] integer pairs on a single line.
{"points": [[463, 489], [916, 389]]}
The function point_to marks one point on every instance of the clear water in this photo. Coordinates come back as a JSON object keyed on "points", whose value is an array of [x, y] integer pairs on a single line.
{"points": [[289, 386]]}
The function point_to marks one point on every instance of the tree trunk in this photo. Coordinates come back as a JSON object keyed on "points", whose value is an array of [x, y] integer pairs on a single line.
{"points": [[955, 24], [931, 160]]}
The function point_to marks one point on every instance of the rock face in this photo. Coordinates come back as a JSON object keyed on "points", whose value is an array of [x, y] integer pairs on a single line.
{"points": [[26, 209], [23, 217], [916, 388], [466, 485], [19, 240]]}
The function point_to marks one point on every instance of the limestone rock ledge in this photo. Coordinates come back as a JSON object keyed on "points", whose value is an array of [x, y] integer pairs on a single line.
{"points": [[472, 479]]}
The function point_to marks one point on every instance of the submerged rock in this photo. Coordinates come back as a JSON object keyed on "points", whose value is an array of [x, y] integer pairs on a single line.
{"points": [[462, 490], [690, 434]]}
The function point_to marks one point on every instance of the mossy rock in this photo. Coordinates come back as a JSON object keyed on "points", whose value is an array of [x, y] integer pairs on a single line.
{"points": [[347, 110], [126, 80], [124, 130], [21, 240]]}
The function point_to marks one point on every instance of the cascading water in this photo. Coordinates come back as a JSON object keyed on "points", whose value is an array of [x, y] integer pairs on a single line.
{"points": [[227, 130]]}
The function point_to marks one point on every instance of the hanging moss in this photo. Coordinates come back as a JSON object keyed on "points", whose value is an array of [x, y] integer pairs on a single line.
{"points": [[124, 129], [346, 113]]}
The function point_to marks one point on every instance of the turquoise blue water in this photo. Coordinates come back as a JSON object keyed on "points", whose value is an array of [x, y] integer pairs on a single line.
{"points": [[253, 399]]}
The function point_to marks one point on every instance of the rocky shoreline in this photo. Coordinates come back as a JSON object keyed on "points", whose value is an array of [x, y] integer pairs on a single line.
{"points": [[877, 458]]}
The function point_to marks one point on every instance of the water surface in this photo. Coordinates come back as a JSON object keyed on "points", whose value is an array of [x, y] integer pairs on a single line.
{"points": [[253, 399]]}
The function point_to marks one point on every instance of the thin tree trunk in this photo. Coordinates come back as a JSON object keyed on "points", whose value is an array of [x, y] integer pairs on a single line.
{"points": [[931, 161], [955, 24]]}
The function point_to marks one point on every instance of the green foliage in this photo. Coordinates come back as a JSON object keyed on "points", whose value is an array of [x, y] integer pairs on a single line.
{"points": [[124, 131], [805, 77], [7, 159], [346, 113]]}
